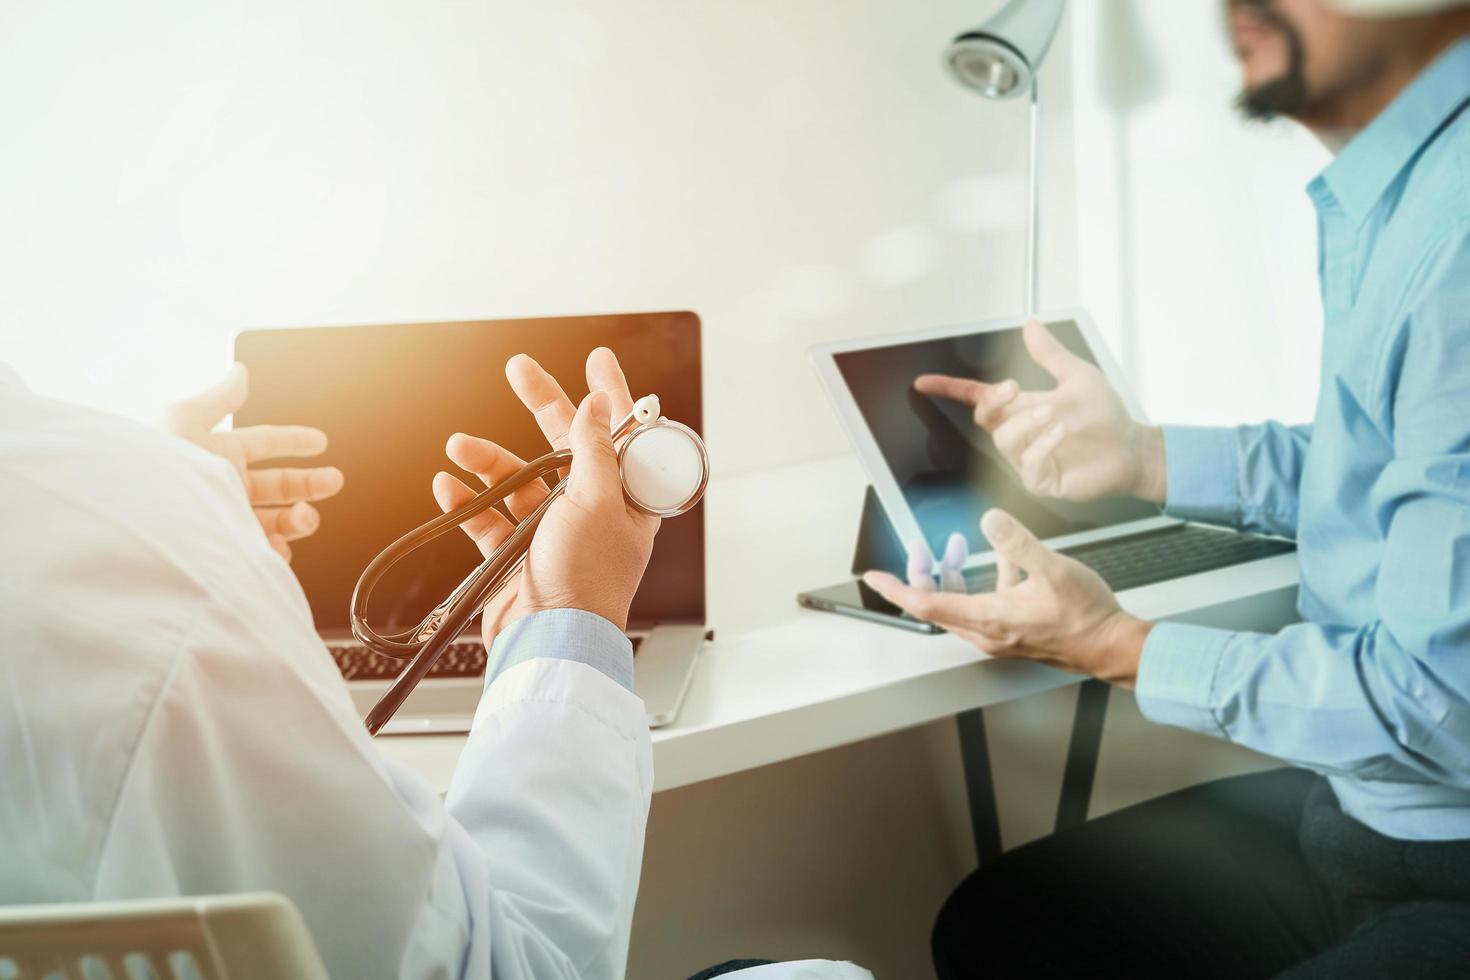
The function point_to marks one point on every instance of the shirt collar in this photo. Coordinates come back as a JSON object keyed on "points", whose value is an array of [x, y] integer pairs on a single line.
{"points": [[1363, 171]]}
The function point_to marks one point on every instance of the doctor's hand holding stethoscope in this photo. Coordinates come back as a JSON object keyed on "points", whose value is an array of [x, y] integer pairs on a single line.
{"points": [[592, 545], [1075, 441]]}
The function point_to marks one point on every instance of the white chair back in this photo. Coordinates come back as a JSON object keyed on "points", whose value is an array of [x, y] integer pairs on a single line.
{"points": [[217, 937]]}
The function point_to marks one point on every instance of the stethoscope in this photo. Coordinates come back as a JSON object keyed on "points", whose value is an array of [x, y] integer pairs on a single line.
{"points": [[664, 472]]}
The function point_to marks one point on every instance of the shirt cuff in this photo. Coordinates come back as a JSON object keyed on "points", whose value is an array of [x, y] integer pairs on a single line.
{"points": [[563, 634], [1176, 676], [1204, 473]]}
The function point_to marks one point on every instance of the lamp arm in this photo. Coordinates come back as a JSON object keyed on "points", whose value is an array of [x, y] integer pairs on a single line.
{"points": [[1033, 201]]}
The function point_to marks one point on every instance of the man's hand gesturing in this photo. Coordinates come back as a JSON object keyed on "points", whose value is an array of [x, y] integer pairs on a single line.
{"points": [[1061, 614], [1076, 441], [280, 496]]}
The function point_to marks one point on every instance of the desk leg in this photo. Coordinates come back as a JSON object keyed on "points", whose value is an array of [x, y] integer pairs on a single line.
{"points": [[979, 785], [1082, 752]]}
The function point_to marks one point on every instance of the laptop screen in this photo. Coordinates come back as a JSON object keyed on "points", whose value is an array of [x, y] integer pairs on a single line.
{"points": [[389, 397], [948, 468]]}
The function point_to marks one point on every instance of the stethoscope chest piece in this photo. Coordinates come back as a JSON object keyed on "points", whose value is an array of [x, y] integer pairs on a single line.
{"points": [[665, 468]]}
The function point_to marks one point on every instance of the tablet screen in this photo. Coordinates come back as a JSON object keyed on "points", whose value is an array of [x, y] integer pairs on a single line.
{"points": [[948, 468]]}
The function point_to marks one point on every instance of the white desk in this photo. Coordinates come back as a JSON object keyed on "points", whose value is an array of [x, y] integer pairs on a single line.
{"points": [[780, 681]]}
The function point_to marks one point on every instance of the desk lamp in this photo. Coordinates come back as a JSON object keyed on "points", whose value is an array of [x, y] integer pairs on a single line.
{"points": [[1000, 59]]}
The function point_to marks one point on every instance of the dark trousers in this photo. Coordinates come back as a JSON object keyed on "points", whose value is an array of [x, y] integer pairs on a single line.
{"points": [[1255, 876]]}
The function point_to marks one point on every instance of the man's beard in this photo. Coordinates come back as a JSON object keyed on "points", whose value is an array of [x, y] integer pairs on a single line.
{"points": [[1285, 95]]}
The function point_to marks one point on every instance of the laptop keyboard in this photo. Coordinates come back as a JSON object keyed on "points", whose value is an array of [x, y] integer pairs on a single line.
{"points": [[1157, 556], [463, 658]]}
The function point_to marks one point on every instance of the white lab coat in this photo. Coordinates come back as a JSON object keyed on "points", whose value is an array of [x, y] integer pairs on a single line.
{"points": [[171, 725]]}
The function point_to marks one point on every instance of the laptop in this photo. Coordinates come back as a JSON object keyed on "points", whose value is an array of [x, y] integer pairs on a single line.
{"points": [[934, 471], [388, 398]]}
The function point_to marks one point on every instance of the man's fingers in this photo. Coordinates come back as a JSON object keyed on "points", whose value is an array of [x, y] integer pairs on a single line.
{"points": [[1047, 351], [1039, 469], [1006, 575], [487, 529], [540, 393], [920, 569], [964, 390], [1019, 431], [996, 405], [605, 374], [948, 609], [952, 566], [205, 410], [286, 486], [989, 401], [291, 523], [493, 463], [594, 461], [1012, 541], [259, 442], [911, 598], [279, 546]]}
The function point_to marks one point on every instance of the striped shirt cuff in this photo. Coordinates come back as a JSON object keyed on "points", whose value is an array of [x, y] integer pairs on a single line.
{"points": [[1176, 676], [1204, 474], [563, 634]]}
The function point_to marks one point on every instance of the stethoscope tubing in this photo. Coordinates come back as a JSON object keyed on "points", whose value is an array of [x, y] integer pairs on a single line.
{"points": [[426, 642]]}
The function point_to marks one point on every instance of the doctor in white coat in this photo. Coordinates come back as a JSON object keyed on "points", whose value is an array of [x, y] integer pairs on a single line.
{"points": [[170, 723]]}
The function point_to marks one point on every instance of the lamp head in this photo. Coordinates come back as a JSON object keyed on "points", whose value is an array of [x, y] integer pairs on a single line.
{"points": [[999, 59]]}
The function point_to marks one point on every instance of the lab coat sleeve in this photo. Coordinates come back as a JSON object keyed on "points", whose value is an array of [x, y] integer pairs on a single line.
{"points": [[189, 734], [1245, 477], [253, 772], [1389, 699], [553, 791]]}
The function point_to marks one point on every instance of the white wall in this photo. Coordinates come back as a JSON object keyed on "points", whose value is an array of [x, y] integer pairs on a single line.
{"points": [[794, 170], [1196, 239]]}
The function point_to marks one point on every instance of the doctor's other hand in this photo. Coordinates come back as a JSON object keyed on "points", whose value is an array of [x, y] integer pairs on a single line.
{"points": [[280, 496], [1061, 613], [592, 546], [1076, 441]]}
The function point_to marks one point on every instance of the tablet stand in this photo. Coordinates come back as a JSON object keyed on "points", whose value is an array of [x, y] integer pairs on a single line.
{"points": [[879, 547]]}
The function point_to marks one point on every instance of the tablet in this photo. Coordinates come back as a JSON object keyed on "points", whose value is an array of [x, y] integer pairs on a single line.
{"points": [[934, 470], [855, 598]]}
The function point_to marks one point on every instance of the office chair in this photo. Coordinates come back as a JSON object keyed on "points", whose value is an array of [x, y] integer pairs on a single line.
{"points": [[215, 937]]}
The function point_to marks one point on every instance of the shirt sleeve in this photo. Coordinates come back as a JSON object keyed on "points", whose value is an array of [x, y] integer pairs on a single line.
{"points": [[1245, 477], [552, 793], [191, 735], [253, 771], [564, 634], [1387, 699]]}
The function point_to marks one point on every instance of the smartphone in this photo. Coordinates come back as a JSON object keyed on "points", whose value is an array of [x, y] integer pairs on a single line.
{"points": [[855, 599]]}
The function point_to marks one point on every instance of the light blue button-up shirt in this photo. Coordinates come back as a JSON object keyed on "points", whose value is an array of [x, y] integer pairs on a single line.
{"points": [[1373, 687], [563, 634]]}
